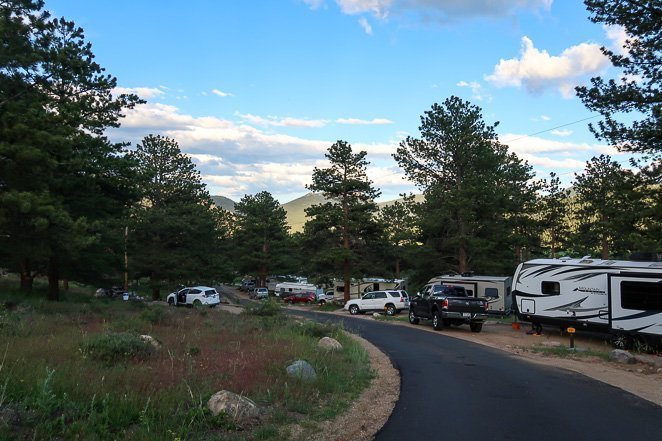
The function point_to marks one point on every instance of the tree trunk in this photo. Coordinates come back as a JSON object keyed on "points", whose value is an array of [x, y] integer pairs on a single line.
{"points": [[26, 275], [605, 248], [53, 279], [397, 268], [463, 265], [518, 255], [65, 284], [346, 280], [156, 293]]}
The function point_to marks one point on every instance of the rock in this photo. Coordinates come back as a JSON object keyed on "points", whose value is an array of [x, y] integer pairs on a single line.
{"points": [[329, 343], [151, 340], [9, 416], [375, 314], [237, 407], [621, 356], [302, 370]]}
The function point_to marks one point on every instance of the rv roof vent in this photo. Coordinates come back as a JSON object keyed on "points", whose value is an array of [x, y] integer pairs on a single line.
{"points": [[468, 274], [608, 262], [655, 265], [585, 260]]}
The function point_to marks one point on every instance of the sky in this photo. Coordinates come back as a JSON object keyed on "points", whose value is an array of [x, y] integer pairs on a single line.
{"points": [[257, 91]]}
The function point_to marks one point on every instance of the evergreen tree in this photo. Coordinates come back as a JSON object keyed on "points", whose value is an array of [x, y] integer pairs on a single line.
{"points": [[553, 209], [173, 235], [339, 232], [637, 92], [474, 189], [607, 209], [62, 181], [261, 237], [400, 230]]}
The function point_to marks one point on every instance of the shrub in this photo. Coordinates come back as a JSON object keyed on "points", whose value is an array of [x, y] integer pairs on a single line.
{"points": [[113, 347], [268, 308], [318, 330]]}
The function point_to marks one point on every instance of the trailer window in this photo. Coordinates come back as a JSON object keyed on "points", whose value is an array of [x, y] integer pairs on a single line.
{"points": [[551, 288], [643, 296], [491, 292]]}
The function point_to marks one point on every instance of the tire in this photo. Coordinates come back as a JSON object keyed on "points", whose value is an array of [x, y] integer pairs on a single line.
{"points": [[412, 318], [353, 309], [197, 303], [622, 341], [476, 327], [437, 321], [290, 302], [390, 310], [171, 302], [322, 302]]}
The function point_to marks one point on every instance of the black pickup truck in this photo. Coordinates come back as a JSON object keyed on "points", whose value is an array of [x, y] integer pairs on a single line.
{"points": [[447, 305]]}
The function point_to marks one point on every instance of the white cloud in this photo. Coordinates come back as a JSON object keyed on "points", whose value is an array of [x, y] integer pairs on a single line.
{"points": [[537, 70], [618, 38], [545, 118], [143, 92], [274, 121], [221, 93], [563, 133], [365, 25], [314, 4], [364, 122], [477, 92], [437, 10]]}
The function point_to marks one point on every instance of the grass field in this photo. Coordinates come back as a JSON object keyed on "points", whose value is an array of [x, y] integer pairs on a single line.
{"points": [[77, 369]]}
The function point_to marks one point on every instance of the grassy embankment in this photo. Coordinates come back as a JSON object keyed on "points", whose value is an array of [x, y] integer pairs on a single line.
{"points": [[77, 369]]}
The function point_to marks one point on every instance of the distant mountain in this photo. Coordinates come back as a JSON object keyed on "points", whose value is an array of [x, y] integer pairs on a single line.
{"points": [[295, 210], [223, 202]]}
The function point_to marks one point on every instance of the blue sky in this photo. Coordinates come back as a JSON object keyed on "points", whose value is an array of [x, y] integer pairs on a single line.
{"points": [[256, 91]]}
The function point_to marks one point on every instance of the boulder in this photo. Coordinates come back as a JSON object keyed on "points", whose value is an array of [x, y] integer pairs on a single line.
{"points": [[330, 344], [621, 356], [302, 370], [237, 407], [151, 340]]}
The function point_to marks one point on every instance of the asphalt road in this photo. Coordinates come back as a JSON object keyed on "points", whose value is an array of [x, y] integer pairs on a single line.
{"points": [[453, 389]]}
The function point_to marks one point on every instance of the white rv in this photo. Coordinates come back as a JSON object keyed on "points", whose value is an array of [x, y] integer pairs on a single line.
{"points": [[286, 288], [617, 296], [496, 290]]}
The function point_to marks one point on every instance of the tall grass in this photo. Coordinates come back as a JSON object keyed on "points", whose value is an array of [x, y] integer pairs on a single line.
{"points": [[76, 369]]}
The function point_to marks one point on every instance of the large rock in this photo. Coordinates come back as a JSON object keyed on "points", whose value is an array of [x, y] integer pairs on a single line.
{"points": [[330, 344], [150, 340], [302, 370], [621, 356], [237, 407]]}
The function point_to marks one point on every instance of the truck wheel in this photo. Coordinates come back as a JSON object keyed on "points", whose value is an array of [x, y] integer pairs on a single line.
{"points": [[353, 309], [412, 318], [390, 310], [476, 327], [437, 322]]}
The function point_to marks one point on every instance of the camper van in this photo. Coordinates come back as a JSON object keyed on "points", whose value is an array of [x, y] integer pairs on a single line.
{"points": [[621, 297], [496, 290]]}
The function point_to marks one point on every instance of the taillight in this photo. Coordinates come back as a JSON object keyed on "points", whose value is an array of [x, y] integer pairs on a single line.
{"points": [[486, 306], [402, 300], [444, 304]]}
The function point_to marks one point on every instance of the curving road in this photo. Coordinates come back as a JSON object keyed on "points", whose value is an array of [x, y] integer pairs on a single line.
{"points": [[453, 389]]}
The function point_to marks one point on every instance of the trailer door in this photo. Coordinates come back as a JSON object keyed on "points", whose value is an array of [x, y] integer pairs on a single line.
{"points": [[635, 302]]}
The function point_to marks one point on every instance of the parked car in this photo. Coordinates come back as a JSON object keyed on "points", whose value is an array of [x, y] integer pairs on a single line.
{"points": [[194, 296], [260, 293], [325, 297], [300, 297], [390, 302]]}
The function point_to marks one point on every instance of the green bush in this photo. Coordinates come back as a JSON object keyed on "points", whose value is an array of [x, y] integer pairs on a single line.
{"points": [[318, 330], [267, 308], [113, 347]]}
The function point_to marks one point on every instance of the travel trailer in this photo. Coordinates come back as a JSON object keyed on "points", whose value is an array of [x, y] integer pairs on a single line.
{"points": [[496, 290], [286, 288], [359, 287], [621, 297]]}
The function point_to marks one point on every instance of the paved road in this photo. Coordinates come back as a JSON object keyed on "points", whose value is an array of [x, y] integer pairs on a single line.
{"points": [[458, 390]]}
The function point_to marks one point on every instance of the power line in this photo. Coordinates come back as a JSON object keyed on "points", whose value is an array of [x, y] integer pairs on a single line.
{"points": [[553, 128]]}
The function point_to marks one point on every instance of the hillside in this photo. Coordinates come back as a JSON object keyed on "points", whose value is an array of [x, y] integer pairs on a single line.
{"points": [[295, 209], [223, 202]]}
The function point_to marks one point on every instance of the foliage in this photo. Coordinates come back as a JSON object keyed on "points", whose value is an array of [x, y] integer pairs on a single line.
{"points": [[173, 234], [638, 90], [607, 208], [476, 192], [400, 230], [340, 232], [261, 236], [113, 347], [553, 210], [267, 308], [62, 181]]}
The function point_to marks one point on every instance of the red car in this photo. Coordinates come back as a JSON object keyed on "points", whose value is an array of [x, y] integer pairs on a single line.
{"points": [[301, 297]]}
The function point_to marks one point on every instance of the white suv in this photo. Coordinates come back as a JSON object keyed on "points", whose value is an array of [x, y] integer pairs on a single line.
{"points": [[195, 296], [390, 302]]}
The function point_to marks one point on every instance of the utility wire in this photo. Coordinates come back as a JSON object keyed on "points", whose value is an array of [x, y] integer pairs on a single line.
{"points": [[553, 128]]}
